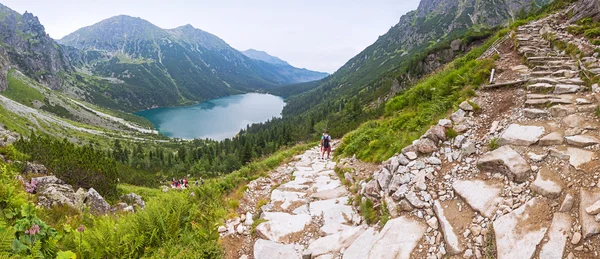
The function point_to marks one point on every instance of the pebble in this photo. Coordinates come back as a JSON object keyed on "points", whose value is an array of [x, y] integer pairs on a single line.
{"points": [[576, 238]]}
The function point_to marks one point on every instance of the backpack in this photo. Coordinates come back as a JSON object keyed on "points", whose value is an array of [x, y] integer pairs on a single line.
{"points": [[326, 140]]}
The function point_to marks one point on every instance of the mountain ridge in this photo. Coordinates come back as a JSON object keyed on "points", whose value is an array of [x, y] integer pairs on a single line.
{"points": [[193, 65]]}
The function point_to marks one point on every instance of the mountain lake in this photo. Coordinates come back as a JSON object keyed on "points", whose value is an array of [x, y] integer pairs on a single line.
{"points": [[215, 119]]}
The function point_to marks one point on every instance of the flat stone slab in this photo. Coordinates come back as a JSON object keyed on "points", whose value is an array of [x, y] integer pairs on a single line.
{"points": [[453, 245], [574, 121], [397, 239], [557, 236], [554, 138], [333, 243], [519, 232], [281, 224], [360, 248], [298, 184], [323, 183], [535, 113], [579, 157], [521, 135], [337, 215], [483, 197], [507, 161], [287, 198], [547, 183], [565, 89], [266, 249], [582, 140], [589, 226], [330, 194]]}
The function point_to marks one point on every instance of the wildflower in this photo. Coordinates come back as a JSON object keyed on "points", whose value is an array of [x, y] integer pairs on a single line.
{"points": [[35, 229], [81, 228]]}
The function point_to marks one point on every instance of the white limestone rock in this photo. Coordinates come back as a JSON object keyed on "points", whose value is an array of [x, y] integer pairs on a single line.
{"points": [[453, 245], [280, 224], [483, 197], [511, 239], [518, 135], [266, 249], [557, 236], [507, 161]]}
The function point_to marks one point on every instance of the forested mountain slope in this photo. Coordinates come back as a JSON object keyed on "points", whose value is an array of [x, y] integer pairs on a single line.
{"points": [[417, 45], [167, 67]]}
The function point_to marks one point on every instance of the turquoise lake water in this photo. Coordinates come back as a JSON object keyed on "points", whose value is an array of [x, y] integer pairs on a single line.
{"points": [[216, 119]]}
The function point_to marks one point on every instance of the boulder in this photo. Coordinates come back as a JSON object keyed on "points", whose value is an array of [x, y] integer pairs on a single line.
{"points": [[458, 116], [535, 113], [446, 123], [427, 146], [436, 133], [507, 161], [32, 168], [466, 106], [455, 45], [79, 199], [132, 198], [56, 195], [397, 239], [96, 202], [372, 189], [521, 135], [384, 178]]}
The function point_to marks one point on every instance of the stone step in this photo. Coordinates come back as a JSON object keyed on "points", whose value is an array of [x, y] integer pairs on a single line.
{"points": [[540, 88], [552, 62], [538, 58], [566, 89], [555, 68], [558, 80], [535, 113], [547, 102]]}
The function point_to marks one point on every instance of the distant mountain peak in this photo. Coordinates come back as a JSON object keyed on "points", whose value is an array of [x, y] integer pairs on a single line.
{"points": [[264, 56]]}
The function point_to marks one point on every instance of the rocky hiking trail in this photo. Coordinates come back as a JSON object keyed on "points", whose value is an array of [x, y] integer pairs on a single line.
{"points": [[517, 178]]}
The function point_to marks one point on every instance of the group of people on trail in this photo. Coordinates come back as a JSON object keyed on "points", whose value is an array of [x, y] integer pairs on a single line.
{"points": [[181, 183], [325, 145]]}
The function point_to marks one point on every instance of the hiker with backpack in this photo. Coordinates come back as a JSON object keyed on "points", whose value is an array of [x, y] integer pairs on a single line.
{"points": [[325, 145]]}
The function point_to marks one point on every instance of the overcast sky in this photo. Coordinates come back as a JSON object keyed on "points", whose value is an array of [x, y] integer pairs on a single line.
{"points": [[315, 34]]}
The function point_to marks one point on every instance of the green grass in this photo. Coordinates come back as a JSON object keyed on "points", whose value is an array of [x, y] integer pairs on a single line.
{"points": [[493, 145], [409, 115], [145, 192], [368, 212], [20, 91]]}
